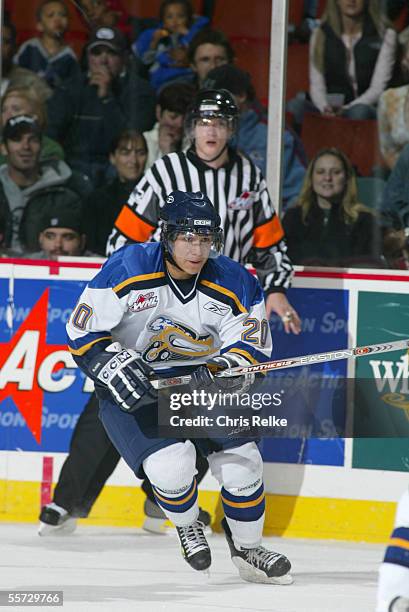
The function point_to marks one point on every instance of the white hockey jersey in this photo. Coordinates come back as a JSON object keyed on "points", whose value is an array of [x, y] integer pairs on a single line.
{"points": [[134, 301]]}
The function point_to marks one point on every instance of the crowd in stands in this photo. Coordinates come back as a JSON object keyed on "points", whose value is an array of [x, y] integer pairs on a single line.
{"points": [[78, 130]]}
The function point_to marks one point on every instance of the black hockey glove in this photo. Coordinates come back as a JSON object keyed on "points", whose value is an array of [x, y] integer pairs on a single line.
{"points": [[205, 379], [126, 376]]}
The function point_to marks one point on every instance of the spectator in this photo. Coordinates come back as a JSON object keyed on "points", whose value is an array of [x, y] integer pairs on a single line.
{"points": [[15, 76], [328, 226], [24, 101], [49, 56], [251, 138], [207, 50], [26, 183], [4, 224], [396, 197], [87, 113], [128, 156], [167, 133], [104, 13], [393, 121], [61, 231], [352, 54], [395, 243], [164, 49], [401, 72]]}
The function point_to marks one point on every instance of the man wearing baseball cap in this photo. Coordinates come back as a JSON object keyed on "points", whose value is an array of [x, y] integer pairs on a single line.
{"points": [[26, 182], [88, 112]]}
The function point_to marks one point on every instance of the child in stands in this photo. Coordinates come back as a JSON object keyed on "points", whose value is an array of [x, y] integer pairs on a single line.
{"points": [[48, 55], [164, 49]]}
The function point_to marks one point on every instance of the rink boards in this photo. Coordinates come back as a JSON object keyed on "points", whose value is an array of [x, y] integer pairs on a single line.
{"points": [[331, 488]]}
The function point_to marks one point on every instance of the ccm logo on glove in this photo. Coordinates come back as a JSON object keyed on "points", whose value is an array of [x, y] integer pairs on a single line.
{"points": [[119, 360]]}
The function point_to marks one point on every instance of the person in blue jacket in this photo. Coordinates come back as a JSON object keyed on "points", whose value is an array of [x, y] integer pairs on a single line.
{"points": [[164, 49]]}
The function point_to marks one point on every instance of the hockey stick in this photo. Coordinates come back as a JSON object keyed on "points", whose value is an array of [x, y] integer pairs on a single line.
{"points": [[291, 362]]}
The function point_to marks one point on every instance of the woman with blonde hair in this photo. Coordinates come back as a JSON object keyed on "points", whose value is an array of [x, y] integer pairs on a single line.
{"points": [[352, 57], [25, 101], [328, 226]]}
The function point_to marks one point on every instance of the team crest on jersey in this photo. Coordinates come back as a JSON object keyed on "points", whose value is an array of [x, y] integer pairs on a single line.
{"points": [[143, 301], [218, 309], [243, 201], [174, 341]]}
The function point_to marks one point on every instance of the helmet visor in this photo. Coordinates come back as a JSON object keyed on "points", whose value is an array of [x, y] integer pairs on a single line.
{"points": [[225, 124], [208, 243]]}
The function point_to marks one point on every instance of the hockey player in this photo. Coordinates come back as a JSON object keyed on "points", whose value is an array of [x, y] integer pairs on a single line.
{"points": [[393, 587], [253, 232], [148, 310]]}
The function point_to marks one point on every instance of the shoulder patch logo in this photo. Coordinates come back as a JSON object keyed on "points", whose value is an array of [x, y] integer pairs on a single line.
{"points": [[143, 301], [218, 309], [243, 202]]}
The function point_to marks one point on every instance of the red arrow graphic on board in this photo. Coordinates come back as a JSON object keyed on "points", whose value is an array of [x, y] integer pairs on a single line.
{"points": [[29, 401]]}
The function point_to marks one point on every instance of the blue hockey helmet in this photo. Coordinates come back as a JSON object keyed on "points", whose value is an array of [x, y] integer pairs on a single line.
{"points": [[190, 213]]}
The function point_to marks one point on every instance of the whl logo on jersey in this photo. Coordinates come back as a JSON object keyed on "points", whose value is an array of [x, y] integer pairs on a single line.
{"points": [[392, 379], [143, 302], [29, 367]]}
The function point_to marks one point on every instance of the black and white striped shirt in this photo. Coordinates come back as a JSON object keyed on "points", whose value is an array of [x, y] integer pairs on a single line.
{"points": [[252, 230]]}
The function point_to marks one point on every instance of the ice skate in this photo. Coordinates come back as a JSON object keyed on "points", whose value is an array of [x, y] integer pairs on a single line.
{"points": [[258, 564], [400, 604], [195, 548], [55, 520]]}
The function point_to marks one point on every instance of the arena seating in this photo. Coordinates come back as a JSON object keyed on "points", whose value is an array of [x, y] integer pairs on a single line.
{"points": [[358, 139]]}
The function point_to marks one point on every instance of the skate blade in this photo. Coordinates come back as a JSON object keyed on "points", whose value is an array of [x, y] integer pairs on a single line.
{"points": [[66, 528], [252, 574], [205, 574]]}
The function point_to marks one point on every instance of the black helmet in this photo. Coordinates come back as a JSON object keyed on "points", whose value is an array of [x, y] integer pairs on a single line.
{"points": [[190, 212], [212, 103]]}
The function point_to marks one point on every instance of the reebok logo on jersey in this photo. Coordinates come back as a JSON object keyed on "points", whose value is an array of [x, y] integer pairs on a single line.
{"points": [[143, 302], [243, 201], [218, 309]]}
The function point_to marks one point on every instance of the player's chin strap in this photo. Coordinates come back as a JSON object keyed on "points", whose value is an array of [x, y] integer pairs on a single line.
{"points": [[167, 255]]}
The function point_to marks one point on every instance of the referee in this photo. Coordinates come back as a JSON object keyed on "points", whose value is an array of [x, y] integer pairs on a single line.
{"points": [[252, 230]]}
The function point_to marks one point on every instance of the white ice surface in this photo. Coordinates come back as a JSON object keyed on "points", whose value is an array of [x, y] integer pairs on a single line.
{"points": [[115, 569]]}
